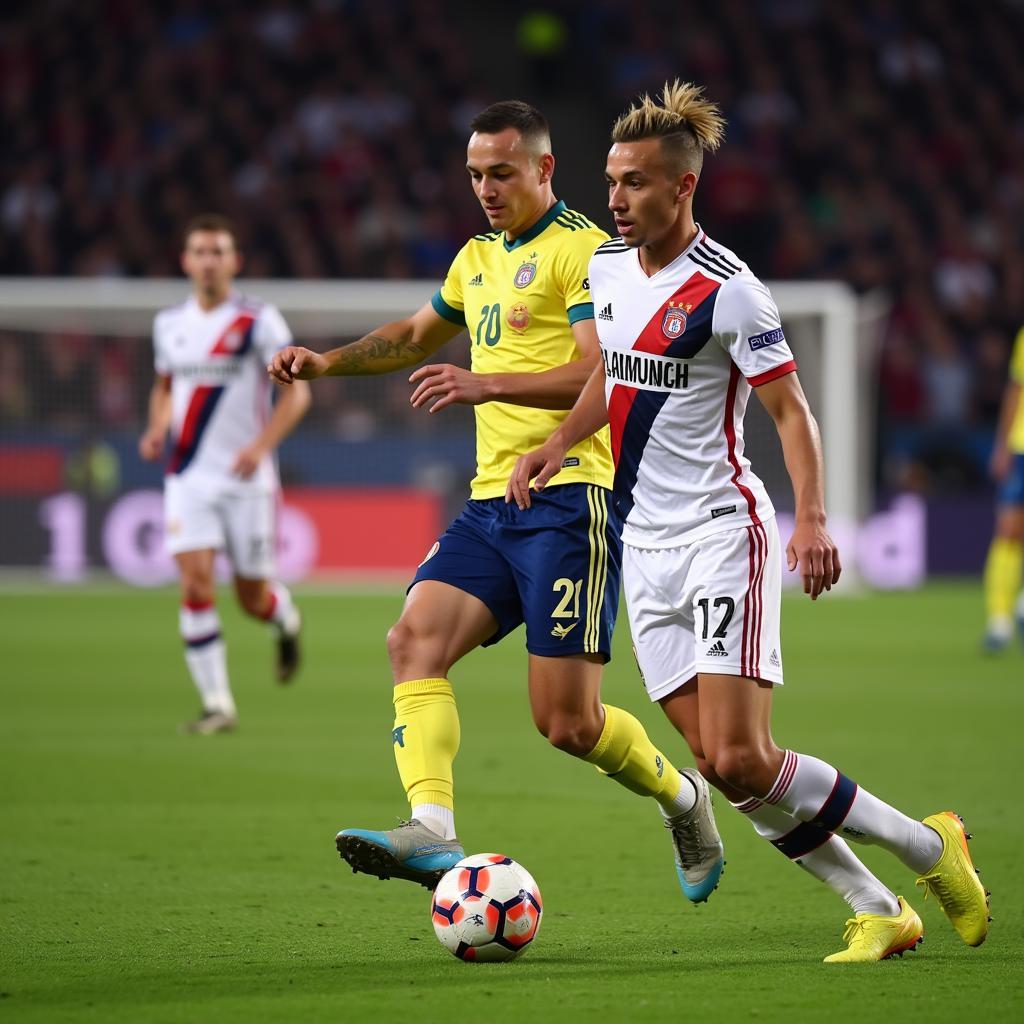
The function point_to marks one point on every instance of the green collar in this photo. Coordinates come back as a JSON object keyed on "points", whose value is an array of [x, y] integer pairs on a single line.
{"points": [[531, 233]]}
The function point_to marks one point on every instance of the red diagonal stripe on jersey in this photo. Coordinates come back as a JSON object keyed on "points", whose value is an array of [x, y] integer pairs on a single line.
{"points": [[240, 324], [194, 415], [694, 291]]}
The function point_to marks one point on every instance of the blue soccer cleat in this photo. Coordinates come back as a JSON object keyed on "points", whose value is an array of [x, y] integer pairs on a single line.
{"points": [[700, 857], [410, 851]]}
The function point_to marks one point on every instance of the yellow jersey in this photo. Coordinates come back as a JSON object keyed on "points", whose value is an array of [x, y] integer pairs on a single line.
{"points": [[519, 300], [1015, 438]]}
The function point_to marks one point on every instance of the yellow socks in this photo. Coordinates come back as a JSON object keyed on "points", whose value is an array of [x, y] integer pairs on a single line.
{"points": [[426, 740], [626, 754], [1002, 580]]}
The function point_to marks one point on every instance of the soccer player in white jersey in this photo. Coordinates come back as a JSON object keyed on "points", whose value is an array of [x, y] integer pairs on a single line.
{"points": [[686, 332], [221, 486]]}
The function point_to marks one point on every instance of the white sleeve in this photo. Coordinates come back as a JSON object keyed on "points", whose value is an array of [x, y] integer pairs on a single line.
{"points": [[272, 333], [161, 363], [747, 325]]}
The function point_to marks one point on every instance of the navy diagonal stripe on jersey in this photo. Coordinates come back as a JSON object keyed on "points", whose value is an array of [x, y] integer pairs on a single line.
{"points": [[647, 404], [197, 419], [644, 412], [247, 339], [698, 330]]}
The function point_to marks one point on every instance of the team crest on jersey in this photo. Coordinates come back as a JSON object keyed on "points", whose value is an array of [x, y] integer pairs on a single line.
{"points": [[518, 317], [525, 274], [674, 321]]}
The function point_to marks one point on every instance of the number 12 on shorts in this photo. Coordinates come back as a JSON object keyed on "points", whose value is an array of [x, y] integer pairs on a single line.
{"points": [[723, 623]]}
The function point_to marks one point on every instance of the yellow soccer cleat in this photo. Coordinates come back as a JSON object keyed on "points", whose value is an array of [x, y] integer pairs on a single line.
{"points": [[871, 937], [953, 880]]}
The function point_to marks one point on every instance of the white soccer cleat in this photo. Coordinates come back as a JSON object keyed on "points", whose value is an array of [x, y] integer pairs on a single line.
{"points": [[700, 856], [210, 722]]}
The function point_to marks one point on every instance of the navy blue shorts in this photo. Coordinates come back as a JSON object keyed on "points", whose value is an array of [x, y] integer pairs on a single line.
{"points": [[554, 566], [1012, 490]]}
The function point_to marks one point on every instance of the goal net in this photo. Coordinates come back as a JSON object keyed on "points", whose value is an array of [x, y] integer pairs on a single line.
{"points": [[368, 481]]}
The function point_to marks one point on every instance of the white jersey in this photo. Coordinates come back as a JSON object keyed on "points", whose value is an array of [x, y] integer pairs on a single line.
{"points": [[220, 392], [682, 350]]}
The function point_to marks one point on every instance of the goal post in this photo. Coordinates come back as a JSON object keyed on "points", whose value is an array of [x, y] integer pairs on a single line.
{"points": [[76, 499]]}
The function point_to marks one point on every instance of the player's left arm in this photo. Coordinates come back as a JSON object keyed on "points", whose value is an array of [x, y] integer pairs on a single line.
{"points": [[291, 405], [810, 547], [557, 388]]}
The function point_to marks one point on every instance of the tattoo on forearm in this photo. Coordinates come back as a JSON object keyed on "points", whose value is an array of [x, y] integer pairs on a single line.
{"points": [[363, 356]]}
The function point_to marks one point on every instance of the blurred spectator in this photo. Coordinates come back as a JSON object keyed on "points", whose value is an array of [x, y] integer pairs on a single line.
{"points": [[879, 143], [15, 399], [947, 376]]}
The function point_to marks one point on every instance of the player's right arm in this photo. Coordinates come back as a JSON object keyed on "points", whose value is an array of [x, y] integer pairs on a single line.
{"points": [[392, 346], [151, 444], [588, 415]]}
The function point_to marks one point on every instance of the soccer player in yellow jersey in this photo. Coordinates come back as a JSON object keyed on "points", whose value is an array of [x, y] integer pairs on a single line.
{"points": [[521, 292], [1006, 553]]}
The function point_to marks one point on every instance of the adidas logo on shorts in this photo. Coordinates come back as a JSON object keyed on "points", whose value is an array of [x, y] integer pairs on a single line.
{"points": [[717, 650], [773, 658]]}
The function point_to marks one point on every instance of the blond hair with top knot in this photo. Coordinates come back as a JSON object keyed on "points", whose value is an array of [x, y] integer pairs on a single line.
{"points": [[686, 122]]}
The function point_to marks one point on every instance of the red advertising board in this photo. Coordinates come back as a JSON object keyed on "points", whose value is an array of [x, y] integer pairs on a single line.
{"points": [[362, 529]]}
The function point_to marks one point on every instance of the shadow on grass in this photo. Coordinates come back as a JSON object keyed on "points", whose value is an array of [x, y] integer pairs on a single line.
{"points": [[565, 973]]}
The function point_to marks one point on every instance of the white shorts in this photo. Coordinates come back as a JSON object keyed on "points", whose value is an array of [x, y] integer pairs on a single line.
{"points": [[712, 606], [240, 523]]}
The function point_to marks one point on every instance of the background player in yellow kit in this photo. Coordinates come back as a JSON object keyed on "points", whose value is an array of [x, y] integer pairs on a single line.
{"points": [[523, 294], [1006, 552]]}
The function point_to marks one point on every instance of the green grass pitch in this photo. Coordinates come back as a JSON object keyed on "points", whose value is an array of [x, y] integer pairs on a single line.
{"points": [[152, 877]]}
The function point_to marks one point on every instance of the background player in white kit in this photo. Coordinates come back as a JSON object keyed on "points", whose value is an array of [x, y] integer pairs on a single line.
{"points": [[686, 332], [221, 487]]}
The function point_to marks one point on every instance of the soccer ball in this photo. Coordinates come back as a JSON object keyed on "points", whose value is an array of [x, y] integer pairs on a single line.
{"points": [[486, 908]]}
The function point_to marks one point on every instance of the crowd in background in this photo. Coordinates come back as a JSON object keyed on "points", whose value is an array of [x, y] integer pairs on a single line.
{"points": [[880, 143]]}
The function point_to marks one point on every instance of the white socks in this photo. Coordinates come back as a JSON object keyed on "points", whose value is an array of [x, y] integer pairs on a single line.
{"points": [[684, 802], [206, 656], [282, 612], [822, 855], [437, 818], [815, 792]]}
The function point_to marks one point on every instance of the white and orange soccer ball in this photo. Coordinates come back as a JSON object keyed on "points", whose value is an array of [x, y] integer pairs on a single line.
{"points": [[486, 908]]}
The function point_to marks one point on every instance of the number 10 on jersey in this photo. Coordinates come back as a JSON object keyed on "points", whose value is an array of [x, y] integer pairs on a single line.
{"points": [[489, 328]]}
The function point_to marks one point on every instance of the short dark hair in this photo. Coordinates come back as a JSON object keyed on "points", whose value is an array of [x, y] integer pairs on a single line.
{"points": [[210, 222], [527, 120]]}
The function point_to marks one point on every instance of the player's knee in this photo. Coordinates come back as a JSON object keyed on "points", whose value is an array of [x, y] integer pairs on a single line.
{"points": [[575, 734], [196, 590], [399, 643], [408, 646], [738, 766], [254, 602], [711, 777]]}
